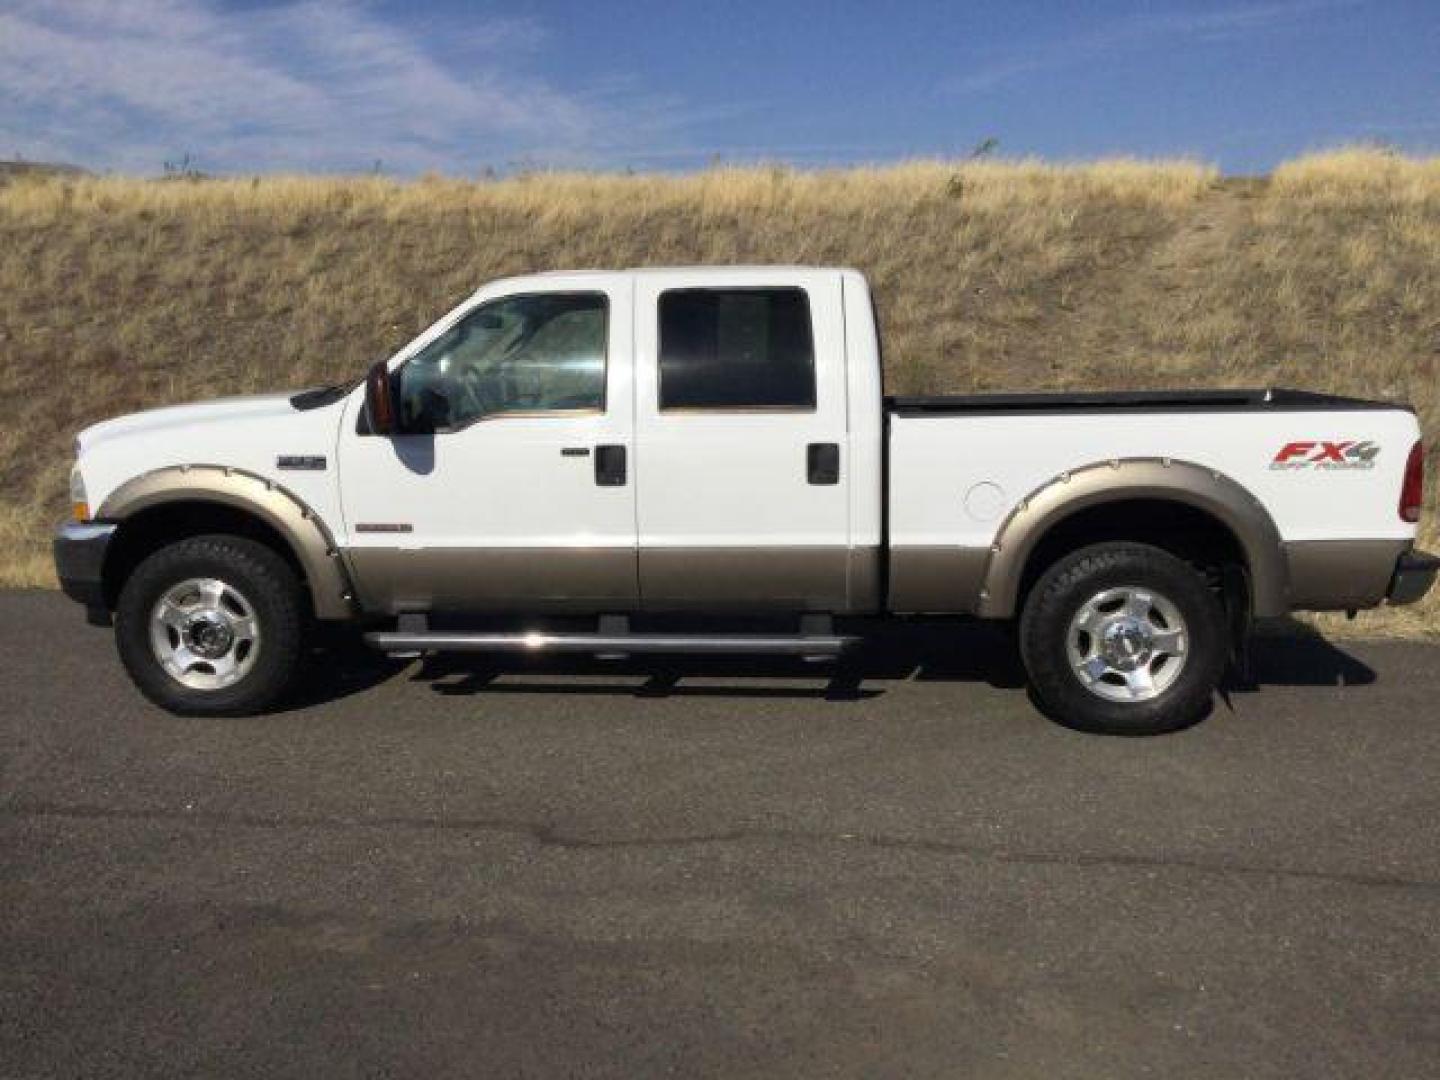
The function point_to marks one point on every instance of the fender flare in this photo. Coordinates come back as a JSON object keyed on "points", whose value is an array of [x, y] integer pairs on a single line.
{"points": [[1123, 480], [275, 505]]}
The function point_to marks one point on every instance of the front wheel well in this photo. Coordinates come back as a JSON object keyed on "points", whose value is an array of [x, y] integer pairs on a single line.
{"points": [[1187, 532], [147, 531]]}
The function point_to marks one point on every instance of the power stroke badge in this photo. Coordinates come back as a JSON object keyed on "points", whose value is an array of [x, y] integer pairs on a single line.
{"points": [[1325, 455]]}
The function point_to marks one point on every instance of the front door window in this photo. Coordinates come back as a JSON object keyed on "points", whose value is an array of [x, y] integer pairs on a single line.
{"points": [[530, 354]]}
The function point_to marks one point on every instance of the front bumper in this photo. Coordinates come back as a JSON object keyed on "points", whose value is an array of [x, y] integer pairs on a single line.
{"points": [[80, 549], [1414, 574]]}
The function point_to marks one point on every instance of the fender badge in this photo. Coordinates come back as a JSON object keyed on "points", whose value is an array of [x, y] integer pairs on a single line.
{"points": [[1324, 456], [312, 462]]}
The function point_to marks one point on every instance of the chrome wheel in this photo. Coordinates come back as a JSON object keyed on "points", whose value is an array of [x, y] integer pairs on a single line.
{"points": [[205, 634], [1127, 644]]}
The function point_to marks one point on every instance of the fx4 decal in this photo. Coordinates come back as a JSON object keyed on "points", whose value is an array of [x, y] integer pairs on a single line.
{"points": [[1323, 454]]}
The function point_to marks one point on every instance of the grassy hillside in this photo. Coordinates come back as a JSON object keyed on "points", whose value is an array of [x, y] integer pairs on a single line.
{"points": [[118, 294]]}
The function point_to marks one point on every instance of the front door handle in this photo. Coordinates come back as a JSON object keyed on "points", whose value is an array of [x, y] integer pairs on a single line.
{"points": [[822, 463], [610, 465]]}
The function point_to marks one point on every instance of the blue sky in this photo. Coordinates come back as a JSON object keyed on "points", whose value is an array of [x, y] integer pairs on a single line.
{"points": [[337, 85]]}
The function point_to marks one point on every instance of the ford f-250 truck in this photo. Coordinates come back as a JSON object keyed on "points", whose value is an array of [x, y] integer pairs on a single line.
{"points": [[637, 446]]}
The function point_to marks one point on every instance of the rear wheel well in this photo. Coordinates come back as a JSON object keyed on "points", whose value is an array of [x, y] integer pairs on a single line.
{"points": [[1187, 532], [146, 532]]}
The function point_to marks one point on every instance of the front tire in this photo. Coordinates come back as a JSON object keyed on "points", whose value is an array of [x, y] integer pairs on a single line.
{"points": [[212, 626], [1125, 639]]}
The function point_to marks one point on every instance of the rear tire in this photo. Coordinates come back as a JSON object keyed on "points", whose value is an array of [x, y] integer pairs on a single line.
{"points": [[212, 626], [1125, 639]]}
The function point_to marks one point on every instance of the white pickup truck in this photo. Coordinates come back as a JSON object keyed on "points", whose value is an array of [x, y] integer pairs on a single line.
{"points": [[653, 450]]}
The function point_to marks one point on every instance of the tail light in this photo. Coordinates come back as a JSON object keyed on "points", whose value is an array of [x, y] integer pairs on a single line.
{"points": [[1412, 491]]}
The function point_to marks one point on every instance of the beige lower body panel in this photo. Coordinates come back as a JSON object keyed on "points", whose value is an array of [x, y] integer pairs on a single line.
{"points": [[830, 579], [937, 579], [866, 586], [748, 579], [1335, 575], [1324, 575], [396, 580]]}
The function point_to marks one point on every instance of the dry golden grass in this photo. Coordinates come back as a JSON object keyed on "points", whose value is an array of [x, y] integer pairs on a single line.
{"points": [[116, 294]]}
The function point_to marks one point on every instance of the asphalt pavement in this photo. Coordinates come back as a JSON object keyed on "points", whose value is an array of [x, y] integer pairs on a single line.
{"points": [[574, 868]]}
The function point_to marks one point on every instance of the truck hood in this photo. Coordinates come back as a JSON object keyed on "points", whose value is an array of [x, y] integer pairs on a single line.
{"points": [[249, 434], [169, 422]]}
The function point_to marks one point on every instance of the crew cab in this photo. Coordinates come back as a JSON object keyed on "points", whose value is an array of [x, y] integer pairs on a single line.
{"points": [[615, 462]]}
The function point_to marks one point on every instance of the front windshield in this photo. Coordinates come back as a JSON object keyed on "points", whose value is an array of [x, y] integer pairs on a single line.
{"points": [[537, 353]]}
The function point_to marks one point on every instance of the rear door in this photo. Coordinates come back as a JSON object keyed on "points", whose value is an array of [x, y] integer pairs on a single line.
{"points": [[741, 477]]}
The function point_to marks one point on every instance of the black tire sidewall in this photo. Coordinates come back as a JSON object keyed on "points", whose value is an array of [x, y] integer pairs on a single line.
{"points": [[1072, 581], [262, 576]]}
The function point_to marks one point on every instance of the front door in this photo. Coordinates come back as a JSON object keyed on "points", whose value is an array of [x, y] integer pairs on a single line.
{"points": [[741, 427], [512, 488]]}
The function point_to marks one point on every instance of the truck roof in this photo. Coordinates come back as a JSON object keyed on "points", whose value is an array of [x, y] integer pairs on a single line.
{"points": [[756, 273], [715, 269]]}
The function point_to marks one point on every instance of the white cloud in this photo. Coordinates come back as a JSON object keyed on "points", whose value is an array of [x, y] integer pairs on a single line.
{"points": [[310, 84], [1139, 31]]}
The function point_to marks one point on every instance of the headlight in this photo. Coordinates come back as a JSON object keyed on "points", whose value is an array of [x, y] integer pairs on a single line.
{"points": [[79, 505]]}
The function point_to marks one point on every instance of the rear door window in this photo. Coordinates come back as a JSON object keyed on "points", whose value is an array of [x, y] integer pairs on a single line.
{"points": [[736, 350]]}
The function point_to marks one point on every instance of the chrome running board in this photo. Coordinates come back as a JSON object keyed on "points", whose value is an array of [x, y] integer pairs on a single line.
{"points": [[807, 645]]}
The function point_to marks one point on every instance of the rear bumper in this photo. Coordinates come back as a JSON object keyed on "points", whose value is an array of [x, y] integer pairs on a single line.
{"points": [[80, 549], [1414, 575]]}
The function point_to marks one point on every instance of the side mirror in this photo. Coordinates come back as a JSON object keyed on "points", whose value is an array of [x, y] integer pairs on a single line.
{"points": [[380, 408]]}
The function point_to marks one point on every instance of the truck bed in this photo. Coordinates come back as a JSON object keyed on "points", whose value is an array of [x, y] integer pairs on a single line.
{"points": [[1317, 473], [1260, 400]]}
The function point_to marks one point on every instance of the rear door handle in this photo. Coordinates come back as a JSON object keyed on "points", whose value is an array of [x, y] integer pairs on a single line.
{"points": [[822, 463], [610, 465]]}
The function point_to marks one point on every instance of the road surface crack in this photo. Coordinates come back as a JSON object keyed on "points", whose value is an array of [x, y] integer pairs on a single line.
{"points": [[547, 834]]}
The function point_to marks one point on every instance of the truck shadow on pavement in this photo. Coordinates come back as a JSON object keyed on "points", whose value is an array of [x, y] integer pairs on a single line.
{"points": [[1290, 653], [960, 651]]}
